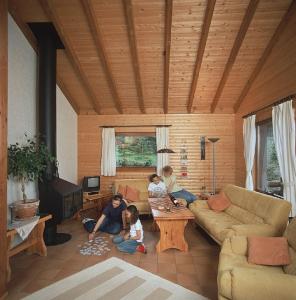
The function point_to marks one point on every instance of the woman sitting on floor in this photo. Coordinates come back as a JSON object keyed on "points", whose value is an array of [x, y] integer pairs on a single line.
{"points": [[173, 188], [156, 188], [133, 240], [113, 218]]}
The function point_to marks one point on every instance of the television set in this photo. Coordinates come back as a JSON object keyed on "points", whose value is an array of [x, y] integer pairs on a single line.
{"points": [[91, 184]]}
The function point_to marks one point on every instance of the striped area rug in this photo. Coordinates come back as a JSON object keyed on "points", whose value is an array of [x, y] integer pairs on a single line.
{"points": [[111, 280]]}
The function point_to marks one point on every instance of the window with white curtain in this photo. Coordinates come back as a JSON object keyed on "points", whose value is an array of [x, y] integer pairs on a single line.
{"points": [[268, 171]]}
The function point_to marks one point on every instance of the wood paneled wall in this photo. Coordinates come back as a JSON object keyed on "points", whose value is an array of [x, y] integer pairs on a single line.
{"points": [[3, 144], [185, 128], [275, 81], [240, 172]]}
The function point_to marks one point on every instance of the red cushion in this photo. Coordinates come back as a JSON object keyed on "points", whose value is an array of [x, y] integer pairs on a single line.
{"points": [[271, 251], [122, 190], [219, 202], [132, 194]]}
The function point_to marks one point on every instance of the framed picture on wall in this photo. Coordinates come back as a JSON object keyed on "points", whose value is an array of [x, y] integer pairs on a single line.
{"points": [[135, 150]]}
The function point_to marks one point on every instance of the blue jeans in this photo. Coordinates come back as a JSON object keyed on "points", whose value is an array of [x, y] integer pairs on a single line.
{"points": [[183, 194], [128, 246], [110, 226]]}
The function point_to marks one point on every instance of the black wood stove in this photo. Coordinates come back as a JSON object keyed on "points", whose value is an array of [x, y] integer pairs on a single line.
{"points": [[58, 197]]}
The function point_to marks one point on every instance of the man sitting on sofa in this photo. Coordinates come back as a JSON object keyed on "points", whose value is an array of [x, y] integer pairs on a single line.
{"points": [[112, 219]]}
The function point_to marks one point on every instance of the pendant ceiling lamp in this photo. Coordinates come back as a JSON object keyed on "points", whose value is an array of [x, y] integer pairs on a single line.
{"points": [[165, 149]]}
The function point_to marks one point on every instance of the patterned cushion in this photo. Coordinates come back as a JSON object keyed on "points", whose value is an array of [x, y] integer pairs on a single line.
{"points": [[132, 194], [271, 251], [219, 202]]}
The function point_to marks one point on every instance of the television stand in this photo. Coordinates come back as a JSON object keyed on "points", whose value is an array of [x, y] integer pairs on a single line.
{"points": [[93, 193], [94, 202]]}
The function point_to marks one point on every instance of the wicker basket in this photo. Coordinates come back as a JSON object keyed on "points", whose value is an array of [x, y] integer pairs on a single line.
{"points": [[26, 210]]}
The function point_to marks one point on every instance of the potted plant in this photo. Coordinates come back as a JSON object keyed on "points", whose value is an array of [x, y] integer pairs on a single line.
{"points": [[27, 162]]}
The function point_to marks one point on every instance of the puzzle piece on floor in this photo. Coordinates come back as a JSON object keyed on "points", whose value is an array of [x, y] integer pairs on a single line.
{"points": [[98, 246]]}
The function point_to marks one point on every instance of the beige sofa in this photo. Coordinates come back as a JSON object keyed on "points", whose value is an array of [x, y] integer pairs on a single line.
{"points": [[250, 213], [140, 184], [239, 280]]}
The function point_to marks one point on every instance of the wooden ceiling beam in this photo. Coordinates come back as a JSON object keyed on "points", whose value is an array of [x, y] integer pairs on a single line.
{"points": [[201, 49], [167, 47], [73, 58], [235, 49], [278, 32], [98, 39], [129, 17]]}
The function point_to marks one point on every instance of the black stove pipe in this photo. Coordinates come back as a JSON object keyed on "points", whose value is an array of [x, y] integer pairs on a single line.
{"points": [[48, 43], [47, 96]]}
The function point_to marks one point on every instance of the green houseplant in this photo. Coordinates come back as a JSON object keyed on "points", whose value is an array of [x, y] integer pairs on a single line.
{"points": [[27, 162]]}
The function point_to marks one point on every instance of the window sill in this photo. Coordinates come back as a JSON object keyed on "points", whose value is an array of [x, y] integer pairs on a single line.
{"points": [[136, 169], [270, 194]]}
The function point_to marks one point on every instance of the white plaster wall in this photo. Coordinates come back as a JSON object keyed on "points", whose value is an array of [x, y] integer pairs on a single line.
{"points": [[22, 64], [22, 115], [66, 138]]}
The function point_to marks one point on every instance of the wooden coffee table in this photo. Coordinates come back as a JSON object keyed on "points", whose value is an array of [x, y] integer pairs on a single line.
{"points": [[171, 224]]}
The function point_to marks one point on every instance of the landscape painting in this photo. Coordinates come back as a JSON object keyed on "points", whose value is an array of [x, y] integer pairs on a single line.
{"points": [[135, 150]]}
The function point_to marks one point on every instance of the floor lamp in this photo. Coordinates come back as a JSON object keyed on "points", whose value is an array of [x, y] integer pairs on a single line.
{"points": [[213, 141]]}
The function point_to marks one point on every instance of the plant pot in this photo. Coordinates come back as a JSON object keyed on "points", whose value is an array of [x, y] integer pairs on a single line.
{"points": [[26, 210]]}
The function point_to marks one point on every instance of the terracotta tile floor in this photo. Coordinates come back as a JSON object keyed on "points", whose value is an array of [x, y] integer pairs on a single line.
{"points": [[195, 270]]}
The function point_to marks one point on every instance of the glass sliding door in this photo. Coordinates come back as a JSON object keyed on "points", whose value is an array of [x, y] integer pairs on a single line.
{"points": [[268, 171]]}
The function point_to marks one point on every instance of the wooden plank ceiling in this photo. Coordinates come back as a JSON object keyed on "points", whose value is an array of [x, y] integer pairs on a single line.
{"points": [[157, 56]]}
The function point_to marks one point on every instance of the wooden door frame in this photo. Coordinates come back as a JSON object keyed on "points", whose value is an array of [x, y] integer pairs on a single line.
{"points": [[3, 142]]}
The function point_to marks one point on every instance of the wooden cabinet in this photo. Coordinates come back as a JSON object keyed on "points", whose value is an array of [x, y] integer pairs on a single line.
{"points": [[93, 204], [33, 244]]}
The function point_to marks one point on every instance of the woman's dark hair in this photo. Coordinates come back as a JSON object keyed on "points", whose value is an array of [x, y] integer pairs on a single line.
{"points": [[117, 197], [134, 214], [151, 177]]}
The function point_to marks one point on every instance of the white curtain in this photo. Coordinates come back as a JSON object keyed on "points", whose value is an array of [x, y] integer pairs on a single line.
{"points": [[108, 159], [162, 141], [249, 133], [283, 123]]}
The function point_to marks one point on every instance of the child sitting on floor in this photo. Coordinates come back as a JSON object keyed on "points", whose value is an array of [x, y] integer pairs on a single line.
{"points": [[133, 240], [173, 188], [156, 188]]}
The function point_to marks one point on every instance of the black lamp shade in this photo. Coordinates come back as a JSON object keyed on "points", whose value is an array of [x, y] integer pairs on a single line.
{"points": [[165, 150], [213, 140]]}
